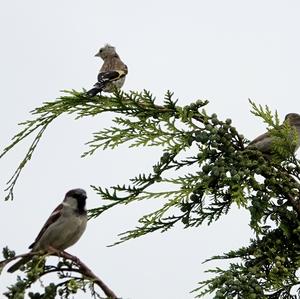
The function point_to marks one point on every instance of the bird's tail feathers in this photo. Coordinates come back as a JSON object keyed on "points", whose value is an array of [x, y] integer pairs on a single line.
{"points": [[96, 89], [105, 78], [18, 264]]}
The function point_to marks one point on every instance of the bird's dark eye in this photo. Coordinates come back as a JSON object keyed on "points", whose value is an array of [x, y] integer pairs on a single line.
{"points": [[101, 50]]}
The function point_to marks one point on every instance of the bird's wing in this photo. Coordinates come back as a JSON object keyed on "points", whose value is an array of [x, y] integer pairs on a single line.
{"points": [[262, 142], [53, 217], [104, 77]]}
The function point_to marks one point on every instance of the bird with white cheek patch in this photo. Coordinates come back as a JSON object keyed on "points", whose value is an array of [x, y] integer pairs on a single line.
{"points": [[63, 228]]}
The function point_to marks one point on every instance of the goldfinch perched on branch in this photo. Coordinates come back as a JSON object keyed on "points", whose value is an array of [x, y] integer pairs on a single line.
{"points": [[112, 73]]}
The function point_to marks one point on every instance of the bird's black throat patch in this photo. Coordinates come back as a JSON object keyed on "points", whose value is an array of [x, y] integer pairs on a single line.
{"points": [[81, 205]]}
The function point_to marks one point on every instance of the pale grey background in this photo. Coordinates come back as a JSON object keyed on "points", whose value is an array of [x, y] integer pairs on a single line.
{"points": [[223, 51]]}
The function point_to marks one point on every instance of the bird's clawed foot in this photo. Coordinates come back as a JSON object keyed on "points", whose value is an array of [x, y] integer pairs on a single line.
{"points": [[63, 254]]}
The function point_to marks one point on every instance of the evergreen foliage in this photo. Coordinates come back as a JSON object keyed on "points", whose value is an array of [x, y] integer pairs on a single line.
{"points": [[204, 169]]}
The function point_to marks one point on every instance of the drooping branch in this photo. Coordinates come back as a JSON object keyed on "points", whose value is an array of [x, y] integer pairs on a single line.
{"points": [[134, 104]]}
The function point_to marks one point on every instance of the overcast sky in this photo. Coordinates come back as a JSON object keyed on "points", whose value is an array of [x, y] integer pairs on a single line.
{"points": [[222, 51]]}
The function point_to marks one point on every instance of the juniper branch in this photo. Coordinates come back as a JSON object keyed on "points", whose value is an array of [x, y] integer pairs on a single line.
{"points": [[69, 264], [216, 171]]}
